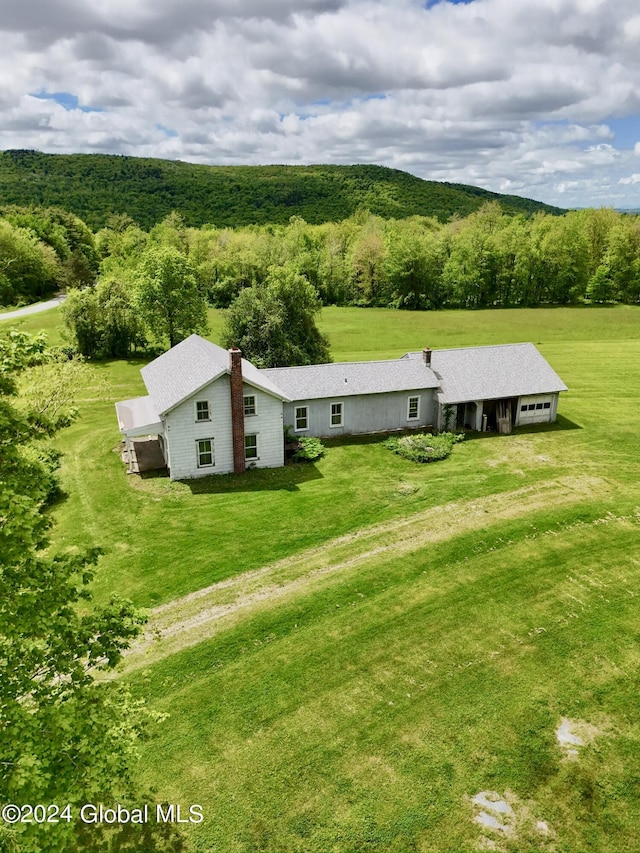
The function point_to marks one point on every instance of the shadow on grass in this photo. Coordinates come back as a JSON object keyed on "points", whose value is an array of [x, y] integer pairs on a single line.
{"points": [[256, 480], [560, 425]]}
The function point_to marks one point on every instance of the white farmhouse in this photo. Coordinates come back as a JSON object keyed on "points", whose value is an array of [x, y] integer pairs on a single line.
{"points": [[215, 412]]}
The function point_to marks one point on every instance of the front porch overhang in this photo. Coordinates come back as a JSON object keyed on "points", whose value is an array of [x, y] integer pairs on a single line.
{"points": [[138, 417]]}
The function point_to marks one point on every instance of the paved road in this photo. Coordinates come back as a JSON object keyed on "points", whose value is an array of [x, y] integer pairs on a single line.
{"points": [[33, 309]]}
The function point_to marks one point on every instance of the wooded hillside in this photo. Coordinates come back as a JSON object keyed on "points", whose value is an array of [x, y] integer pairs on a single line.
{"points": [[95, 186]]}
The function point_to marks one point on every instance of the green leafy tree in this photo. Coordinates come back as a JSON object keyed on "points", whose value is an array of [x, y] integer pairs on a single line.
{"points": [[167, 295], [29, 269], [102, 321], [120, 246], [273, 323], [618, 275], [368, 254], [67, 235], [413, 266], [565, 249], [64, 736], [171, 232]]}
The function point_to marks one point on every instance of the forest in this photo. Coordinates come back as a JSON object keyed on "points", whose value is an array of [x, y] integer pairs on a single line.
{"points": [[95, 186], [487, 259]]}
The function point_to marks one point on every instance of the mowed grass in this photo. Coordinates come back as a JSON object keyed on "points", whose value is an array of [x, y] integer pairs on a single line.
{"points": [[365, 710], [366, 716], [162, 540]]}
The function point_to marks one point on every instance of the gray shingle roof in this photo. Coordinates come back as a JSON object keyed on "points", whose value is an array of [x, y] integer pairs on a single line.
{"points": [[491, 372], [345, 379], [189, 366]]}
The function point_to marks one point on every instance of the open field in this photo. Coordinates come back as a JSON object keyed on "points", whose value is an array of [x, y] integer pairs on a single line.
{"points": [[351, 650]]}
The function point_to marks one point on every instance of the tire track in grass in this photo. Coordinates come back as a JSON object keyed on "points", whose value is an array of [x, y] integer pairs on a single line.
{"points": [[199, 615]]}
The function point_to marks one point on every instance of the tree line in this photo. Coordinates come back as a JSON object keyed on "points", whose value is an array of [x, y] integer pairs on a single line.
{"points": [[153, 287], [486, 259]]}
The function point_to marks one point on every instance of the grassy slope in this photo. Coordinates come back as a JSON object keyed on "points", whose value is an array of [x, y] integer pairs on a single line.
{"points": [[94, 186], [365, 714], [362, 713]]}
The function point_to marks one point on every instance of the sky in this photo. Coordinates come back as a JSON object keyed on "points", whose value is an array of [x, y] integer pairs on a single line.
{"points": [[539, 98]]}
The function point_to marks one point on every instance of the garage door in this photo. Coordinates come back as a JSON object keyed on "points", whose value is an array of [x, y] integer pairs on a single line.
{"points": [[534, 410]]}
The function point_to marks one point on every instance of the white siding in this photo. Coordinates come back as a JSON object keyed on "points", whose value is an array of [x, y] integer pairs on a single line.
{"points": [[182, 431], [538, 414], [363, 413], [267, 424]]}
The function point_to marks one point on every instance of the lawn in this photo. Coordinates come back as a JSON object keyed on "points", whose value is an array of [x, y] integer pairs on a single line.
{"points": [[420, 631], [206, 527]]}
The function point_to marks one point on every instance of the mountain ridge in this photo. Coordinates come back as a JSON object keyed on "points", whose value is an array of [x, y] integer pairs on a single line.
{"points": [[96, 186]]}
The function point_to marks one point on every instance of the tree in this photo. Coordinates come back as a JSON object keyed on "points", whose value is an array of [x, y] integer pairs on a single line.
{"points": [[413, 266], [102, 321], [167, 295], [64, 736], [29, 269], [273, 323], [368, 255], [618, 275]]}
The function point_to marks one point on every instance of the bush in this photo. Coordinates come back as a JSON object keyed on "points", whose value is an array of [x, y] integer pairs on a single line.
{"points": [[310, 448], [423, 447]]}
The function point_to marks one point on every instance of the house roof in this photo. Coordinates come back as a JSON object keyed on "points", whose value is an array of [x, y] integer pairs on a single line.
{"points": [[189, 366], [491, 372], [138, 416], [345, 379]]}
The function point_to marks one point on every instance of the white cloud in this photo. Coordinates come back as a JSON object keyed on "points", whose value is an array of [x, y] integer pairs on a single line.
{"points": [[632, 179], [515, 97]]}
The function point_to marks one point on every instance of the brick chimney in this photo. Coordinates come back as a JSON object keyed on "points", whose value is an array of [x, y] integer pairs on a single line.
{"points": [[237, 410], [426, 354]]}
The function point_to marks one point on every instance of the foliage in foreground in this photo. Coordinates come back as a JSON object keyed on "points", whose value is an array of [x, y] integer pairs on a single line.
{"points": [[64, 736], [423, 447]]}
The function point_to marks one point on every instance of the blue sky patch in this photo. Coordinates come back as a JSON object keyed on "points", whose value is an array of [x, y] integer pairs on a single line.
{"points": [[626, 131], [66, 100], [170, 133], [429, 3]]}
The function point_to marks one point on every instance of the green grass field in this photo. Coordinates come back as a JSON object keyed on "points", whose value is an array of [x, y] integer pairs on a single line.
{"points": [[392, 639]]}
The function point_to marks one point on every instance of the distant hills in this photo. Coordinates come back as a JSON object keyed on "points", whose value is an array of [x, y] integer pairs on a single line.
{"points": [[95, 186]]}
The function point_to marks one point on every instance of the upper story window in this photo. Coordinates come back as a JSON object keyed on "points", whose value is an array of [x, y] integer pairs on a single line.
{"points": [[336, 415], [413, 408], [302, 418], [202, 410], [249, 405]]}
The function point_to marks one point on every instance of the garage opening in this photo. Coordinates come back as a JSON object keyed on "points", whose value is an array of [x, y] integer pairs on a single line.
{"points": [[501, 414]]}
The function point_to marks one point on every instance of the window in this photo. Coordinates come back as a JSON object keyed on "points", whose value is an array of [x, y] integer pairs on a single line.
{"points": [[249, 405], [531, 406], [413, 409], [205, 453], [546, 405], [336, 415], [538, 405], [202, 410], [251, 447], [523, 408], [302, 418]]}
